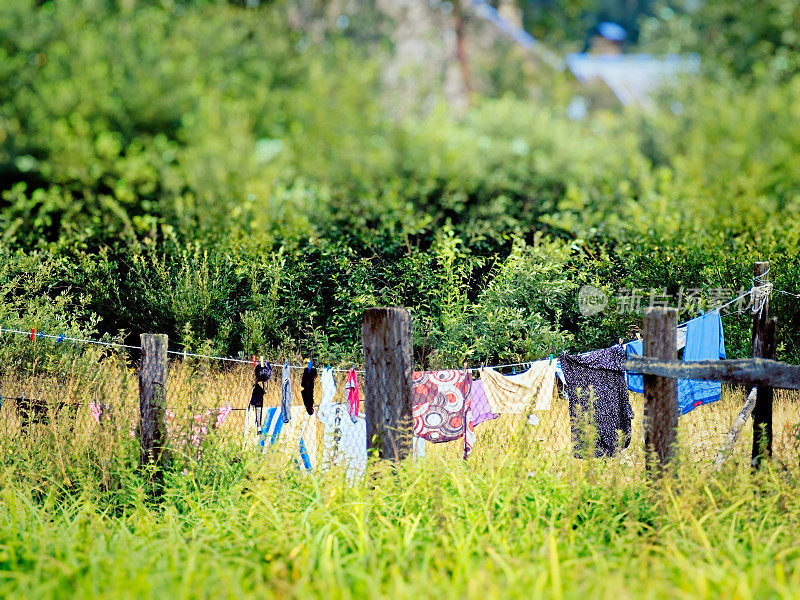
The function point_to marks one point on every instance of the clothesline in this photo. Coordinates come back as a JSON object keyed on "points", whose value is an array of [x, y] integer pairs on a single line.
{"points": [[756, 289], [34, 335], [244, 361], [63, 338], [753, 290], [24, 398]]}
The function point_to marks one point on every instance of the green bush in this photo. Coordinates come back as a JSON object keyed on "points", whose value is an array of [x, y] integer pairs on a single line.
{"points": [[222, 175]]}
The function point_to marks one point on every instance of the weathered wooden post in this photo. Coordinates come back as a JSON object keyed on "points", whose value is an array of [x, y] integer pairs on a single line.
{"points": [[762, 412], [386, 336], [152, 394], [660, 393]]}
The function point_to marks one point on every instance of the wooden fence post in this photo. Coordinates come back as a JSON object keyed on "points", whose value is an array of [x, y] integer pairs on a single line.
{"points": [[660, 393], [762, 413], [386, 336], [152, 395]]}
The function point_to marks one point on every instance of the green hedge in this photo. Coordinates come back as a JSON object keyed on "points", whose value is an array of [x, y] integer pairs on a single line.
{"points": [[220, 175]]}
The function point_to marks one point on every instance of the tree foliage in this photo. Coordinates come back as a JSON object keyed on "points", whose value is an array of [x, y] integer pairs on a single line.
{"points": [[233, 179]]}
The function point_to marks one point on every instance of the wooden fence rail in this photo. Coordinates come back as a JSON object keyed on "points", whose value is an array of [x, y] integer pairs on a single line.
{"points": [[745, 371]]}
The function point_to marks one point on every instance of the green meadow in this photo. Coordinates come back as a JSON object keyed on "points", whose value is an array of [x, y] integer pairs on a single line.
{"points": [[80, 518], [522, 526]]}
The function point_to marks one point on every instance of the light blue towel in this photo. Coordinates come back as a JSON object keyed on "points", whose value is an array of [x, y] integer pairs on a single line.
{"points": [[704, 341], [635, 380]]}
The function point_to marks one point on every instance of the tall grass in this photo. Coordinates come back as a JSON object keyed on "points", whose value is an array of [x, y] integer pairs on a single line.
{"points": [[521, 518]]}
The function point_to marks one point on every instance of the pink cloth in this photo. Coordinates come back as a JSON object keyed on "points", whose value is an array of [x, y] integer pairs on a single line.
{"points": [[353, 393], [480, 404], [97, 411], [200, 423], [222, 415]]}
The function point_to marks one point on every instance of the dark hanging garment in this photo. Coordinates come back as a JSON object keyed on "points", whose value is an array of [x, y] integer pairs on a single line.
{"points": [[257, 399], [307, 388], [595, 386], [263, 372], [33, 411]]}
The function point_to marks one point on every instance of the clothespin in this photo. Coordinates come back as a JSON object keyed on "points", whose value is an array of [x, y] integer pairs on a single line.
{"points": [[310, 364], [551, 359], [254, 360], [33, 334], [620, 341], [261, 358], [60, 339], [513, 370]]}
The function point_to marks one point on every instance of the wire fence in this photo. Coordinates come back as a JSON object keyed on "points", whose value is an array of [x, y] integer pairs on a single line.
{"points": [[316, 417], [311, 418]]}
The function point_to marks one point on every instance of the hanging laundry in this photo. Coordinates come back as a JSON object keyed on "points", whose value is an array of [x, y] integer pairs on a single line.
{"points": [[34, 410], [294, 438], [596, 387], [560, 373], [353, 393], [263, 371], [213, 417], [441, 407], [255, 408], [252, 425], [257, 397], [529, 391], [286, 392], [307, 388], [418, 449], [635, 381], [704, 341], [328, 387], [481, 411], [345, 439], [97, 411], [680, 336], [634, 348]]}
